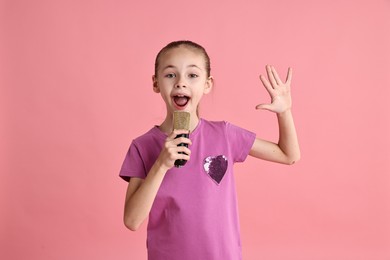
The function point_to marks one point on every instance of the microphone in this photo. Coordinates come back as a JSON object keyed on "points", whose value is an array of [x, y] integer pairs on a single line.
{"points": [[181, 120]]}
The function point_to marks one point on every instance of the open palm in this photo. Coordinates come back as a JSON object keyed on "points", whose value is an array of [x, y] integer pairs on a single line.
{"points": [[278, 90]]}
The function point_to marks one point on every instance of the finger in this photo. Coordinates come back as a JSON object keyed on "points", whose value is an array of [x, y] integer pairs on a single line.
{"points": [[175, 133], [271, 77], [276, 76], [183, 149], [181, 140], [180, 152], [289, 76], [266, 84], [181, 131], [182, 156], [170, 137], [264, 107]]}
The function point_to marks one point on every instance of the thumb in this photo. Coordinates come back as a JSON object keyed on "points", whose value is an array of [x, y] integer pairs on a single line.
{"points": [[264, 107]]}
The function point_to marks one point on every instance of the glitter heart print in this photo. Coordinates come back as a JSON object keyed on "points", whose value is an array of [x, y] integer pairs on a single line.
{"points": [[215, 167]]}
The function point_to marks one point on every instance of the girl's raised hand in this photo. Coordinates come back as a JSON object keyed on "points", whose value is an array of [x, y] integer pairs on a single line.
{"points": [[278, 90], [170, 151]]}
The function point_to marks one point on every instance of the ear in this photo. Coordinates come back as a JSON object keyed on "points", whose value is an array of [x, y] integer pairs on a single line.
{"points": [[209, 85], [155, 85]]}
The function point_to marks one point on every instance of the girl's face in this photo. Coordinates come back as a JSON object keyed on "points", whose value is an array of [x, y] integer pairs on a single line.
{"points": [[182, 79]]}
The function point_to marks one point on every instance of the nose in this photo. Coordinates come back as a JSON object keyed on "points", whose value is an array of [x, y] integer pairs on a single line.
{"points": [[180, 83]]}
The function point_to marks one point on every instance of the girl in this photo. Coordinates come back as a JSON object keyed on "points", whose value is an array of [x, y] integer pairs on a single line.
{"points": [[193, 210]]}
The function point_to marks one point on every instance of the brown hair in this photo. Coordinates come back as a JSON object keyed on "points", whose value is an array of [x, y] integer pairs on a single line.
{"points": [[184, 43]]}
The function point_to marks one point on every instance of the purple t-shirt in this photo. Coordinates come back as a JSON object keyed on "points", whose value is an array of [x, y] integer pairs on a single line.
{"points": [[195, 214]]}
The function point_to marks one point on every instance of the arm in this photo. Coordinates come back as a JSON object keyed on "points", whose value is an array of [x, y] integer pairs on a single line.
{"points": [[141, 193], [287, 149]]}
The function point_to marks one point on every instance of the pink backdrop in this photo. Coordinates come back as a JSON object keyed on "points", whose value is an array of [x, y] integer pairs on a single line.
{"points": [[76, 88]]}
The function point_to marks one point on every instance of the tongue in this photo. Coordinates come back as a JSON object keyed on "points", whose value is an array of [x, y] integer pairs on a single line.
{"points": [[181, 101]]}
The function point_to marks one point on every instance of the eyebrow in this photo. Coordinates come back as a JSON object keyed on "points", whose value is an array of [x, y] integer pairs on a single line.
{"points": [[189, 66]]}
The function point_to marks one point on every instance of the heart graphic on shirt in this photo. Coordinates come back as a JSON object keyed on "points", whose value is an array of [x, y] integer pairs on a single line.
{"points": [[215, 167]]}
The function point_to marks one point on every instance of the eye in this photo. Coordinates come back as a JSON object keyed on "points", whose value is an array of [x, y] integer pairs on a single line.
{"points": [[170, 75], [193, 75]]}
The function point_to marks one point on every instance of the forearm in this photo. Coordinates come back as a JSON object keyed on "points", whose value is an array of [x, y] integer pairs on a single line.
{"points": [[142, 193], [288, 139], [140, 200]]}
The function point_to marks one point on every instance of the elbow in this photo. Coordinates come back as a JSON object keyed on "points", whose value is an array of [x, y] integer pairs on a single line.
{"points": [[292, 162], [133, 228], [132, 225], [292, 159]]}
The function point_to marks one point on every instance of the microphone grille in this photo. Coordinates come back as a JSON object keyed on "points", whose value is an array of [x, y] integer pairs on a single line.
{"points": [[181, 120]]}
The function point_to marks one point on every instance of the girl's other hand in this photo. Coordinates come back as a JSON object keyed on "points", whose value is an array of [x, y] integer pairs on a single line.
{"points": [[171, 151], [278, 90]]}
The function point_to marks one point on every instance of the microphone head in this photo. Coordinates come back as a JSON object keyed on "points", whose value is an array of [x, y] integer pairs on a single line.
{"points": [[181, 120]]}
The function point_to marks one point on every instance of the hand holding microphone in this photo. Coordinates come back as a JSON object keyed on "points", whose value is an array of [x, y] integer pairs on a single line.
{"points": [[181, 120]]}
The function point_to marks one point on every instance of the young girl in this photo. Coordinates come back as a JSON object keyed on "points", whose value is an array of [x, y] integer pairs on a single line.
{"points": [[193, 210]]}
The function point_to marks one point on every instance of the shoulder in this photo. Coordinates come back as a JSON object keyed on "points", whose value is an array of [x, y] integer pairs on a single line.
{"points": [[153, 135], [211, 129], [214, 124], [221, 126]]}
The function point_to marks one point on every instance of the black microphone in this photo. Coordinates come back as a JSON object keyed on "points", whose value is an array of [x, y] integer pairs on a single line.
{"points": [[181, 120]]}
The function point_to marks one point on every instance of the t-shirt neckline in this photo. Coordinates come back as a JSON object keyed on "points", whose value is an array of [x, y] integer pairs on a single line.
{"points": [[192, 134]]}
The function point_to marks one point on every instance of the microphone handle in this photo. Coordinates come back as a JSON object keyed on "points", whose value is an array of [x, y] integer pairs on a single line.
{"points": [[181, 162]]}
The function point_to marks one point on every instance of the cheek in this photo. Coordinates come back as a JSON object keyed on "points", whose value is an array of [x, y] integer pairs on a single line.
{"points": [[198, 95], [165, 94]]}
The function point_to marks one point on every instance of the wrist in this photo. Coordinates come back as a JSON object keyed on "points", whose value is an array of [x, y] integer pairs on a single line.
{"points": [[160, 167], [284, 113]]}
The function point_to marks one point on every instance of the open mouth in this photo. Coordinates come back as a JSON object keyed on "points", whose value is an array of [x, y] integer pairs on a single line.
{"points": [[181, 100]]}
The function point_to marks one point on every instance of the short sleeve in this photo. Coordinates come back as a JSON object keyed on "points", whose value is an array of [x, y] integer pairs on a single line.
{"points": [[240, 141], [133, 165]]}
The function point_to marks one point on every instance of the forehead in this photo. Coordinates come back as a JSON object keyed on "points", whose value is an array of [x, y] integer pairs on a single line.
{"points": [[180, 55]]}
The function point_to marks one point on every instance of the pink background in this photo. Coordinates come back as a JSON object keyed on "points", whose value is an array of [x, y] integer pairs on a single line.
{"points": [[76, 88]]}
